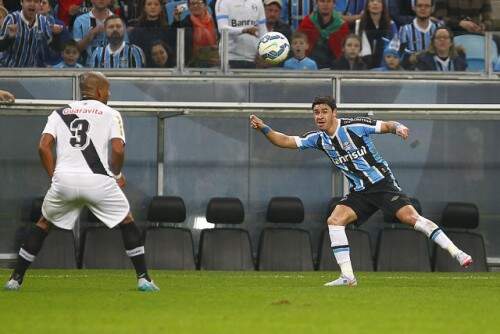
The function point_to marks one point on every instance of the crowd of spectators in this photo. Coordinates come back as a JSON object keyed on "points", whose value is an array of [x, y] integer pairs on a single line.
{"points": [[382, 35]]}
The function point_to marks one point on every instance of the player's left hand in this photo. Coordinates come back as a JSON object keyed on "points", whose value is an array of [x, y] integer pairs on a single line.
{"points": [[56, 29], [121, 181], [402, 131], [6, 97]]}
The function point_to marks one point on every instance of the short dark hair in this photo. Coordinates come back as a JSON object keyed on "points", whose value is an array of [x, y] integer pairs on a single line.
{"points": [[70, 44], [415, 3], [328, 100], [113, 17]]}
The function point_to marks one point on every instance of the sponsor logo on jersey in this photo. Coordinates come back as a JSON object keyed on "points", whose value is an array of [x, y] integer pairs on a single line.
{"points": [[242, 23], [351, 156], [71, 111]]}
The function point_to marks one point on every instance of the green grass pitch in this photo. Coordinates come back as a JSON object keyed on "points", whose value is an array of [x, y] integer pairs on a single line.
{"points": [[105, 301]]}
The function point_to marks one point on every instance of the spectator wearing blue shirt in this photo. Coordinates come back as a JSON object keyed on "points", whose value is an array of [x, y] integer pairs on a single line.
{"points": [[70, 55], [391, 60], [299, 61]]}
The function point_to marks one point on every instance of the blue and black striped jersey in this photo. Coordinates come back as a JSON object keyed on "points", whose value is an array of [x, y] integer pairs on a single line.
{"points": [[414, 39], [23, 50], [127, 56], [351, 150]]}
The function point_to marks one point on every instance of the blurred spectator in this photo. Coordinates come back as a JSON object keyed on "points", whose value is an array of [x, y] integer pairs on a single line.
{"points": [[11, 5], [245, 22], [391, 60], [152, 26], [416, 36], [49, 56], [88, 29], [442, 54], [68, 10], [326, 31], [272, 9], [6, 97], [465, 16], [24, 33], [299, 61], [351, 59], [351, 10], [162, 55], [118, 53], [375, 29], [70, 55], [401, 11], [297, 11], [200, 35], [3, 14]]}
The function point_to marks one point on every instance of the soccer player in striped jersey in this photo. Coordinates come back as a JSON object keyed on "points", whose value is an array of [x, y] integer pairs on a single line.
{"points": [[118, 53], [24, 33], [348, 145], [416, 36]]}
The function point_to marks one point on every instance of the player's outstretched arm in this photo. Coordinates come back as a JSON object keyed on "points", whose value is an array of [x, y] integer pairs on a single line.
{"points": [[6, 97], [277, 138], [396, 128], [46, 156]]}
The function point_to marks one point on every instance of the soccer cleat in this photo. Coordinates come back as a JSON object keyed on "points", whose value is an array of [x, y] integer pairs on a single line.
{"points": [[12, 285], [343, 281], [464, 259], [146, 286]]}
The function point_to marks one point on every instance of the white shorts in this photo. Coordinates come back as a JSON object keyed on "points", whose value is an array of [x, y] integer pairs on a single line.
{"points": [[69, 193]]}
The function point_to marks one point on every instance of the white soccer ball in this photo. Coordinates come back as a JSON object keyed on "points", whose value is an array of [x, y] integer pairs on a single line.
{"points": [[273, 47]]}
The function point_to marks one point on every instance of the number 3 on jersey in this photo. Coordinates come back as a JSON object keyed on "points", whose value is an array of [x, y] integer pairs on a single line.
{"points": [[79, 129]]}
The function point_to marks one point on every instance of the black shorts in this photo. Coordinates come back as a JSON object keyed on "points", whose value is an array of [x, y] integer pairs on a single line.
{"points": [[384, 195]]}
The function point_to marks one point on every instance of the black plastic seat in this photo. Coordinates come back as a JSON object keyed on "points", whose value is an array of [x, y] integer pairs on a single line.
{"points": [[167, 246], [225, 248], [457, 220], [103, 249], [58, 251], [285, 249]]}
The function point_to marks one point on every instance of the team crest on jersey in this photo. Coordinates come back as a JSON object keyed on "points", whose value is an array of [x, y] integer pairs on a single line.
{"points": [[254, 7], [347, 145]]}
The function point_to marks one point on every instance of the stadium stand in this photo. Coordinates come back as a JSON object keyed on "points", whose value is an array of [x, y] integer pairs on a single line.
{"points": [[225, 248], [168, 246], [285, 248], [458, 219]]}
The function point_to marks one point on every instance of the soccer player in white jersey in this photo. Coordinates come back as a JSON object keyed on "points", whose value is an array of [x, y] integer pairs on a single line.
{"points": [[81, 176], [245, 21], [348, 144]]}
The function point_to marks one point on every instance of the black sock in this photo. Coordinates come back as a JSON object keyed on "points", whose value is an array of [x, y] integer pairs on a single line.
{"points": [[134, 246], [29, 250]]}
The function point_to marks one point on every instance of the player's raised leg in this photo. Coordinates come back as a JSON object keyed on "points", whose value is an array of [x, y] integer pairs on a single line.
{"points": [[410, 216], [134, 247], [341, 216], [28, 252]]}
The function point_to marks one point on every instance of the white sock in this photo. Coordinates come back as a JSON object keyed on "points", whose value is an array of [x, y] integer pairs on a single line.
{"points": [[341, 250], [433, 232]]}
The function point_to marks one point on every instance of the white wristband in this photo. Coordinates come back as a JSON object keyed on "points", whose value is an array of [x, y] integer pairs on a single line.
{"points": [[117, 177]]}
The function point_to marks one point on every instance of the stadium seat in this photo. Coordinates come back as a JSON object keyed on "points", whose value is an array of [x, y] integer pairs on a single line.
{"points": [[168, 247], [101, 247], [285, 249], [58, 251], [474, 50], [402, 249], [225, 248], [359, 241], [458, 219]]}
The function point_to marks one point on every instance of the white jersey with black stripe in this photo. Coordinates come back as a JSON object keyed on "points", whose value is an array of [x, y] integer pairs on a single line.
{"points": [[83, 131]]}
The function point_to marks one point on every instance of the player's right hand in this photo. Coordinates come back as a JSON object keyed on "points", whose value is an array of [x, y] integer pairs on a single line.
{"points": [[121, 181], [253, 30], [256, 122], [12, 30]]}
